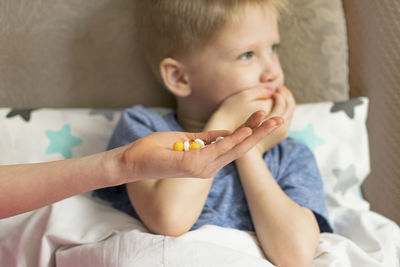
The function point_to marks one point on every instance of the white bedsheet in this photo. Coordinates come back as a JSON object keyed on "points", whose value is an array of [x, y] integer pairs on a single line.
{"points": [[82, 232]]}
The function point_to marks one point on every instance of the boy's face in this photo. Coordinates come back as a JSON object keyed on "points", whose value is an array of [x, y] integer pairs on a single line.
{"points": [[242, 56]]}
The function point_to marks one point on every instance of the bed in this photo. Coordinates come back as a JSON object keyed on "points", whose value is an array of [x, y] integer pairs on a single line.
{"points": [[68, 69]]}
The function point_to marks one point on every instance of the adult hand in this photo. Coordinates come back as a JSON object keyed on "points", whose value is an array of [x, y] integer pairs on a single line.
{"points": [[24, 187], [152, 156]]}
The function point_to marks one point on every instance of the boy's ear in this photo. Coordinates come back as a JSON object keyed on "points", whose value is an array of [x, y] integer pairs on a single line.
{"points": [[175, 77]]}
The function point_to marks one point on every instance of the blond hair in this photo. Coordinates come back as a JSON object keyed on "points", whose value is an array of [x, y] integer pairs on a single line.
{"points": [[173, 28]]}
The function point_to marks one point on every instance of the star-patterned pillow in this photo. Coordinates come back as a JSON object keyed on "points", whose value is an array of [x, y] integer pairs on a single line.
{"points": [[39, 135], [335, 132]]}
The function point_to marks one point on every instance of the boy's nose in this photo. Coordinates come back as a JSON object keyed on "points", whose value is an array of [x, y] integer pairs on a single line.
{"points": [[269, 77]]}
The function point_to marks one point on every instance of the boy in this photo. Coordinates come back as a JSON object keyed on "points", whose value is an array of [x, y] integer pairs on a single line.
{"points": [[219, 59]]}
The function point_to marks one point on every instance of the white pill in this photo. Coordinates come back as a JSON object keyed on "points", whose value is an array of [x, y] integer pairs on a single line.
{"points": [[200, 142], [219, 138], [186, 146]]}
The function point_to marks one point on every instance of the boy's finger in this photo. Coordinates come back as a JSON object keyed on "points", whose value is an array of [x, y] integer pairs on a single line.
{"points": [[279, 105], [290, 104], [258, 93], [292, 100]]}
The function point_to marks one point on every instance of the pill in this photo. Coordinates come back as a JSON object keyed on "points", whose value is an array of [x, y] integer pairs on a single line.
{"points": [[219, 138], [200, 142], [186, 146], [178, 146], [194, 145]]}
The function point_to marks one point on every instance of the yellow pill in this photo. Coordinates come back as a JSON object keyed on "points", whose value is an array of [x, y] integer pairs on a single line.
{"points": [[178, 146], [194, 145]]}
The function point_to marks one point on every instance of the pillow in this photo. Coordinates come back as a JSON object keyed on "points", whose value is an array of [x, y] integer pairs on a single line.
{"points": [[335, 132], [28, 136], [314, 50]]}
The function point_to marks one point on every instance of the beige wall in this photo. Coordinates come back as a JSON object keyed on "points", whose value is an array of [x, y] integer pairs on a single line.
{"points": [[374, 43], [72, 54], [75, 53]]}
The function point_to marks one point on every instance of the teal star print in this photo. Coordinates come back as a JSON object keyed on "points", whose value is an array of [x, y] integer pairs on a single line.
{"points": [[307, 137], [62, 141]]}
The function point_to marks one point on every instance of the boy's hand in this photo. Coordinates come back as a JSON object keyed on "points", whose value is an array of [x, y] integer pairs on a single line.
{"points": [[284, 106], [235, 110]]}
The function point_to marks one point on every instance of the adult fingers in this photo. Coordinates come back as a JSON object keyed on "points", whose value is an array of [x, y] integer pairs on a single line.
{"points": [[255, 119], [214, 157], [245, 138], [266, 128], [204, 163], [228, 143], [209, 136], [252, 122]]}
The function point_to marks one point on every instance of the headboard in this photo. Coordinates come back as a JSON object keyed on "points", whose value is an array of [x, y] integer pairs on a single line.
{"points": [[84, 54]]}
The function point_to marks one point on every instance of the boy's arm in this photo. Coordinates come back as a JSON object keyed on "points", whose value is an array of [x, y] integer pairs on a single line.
{"points": [[169, 206], [281, 225], [288, 233], [172, 206]]}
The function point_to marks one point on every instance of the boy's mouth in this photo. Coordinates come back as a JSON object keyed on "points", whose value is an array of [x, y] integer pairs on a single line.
{"points": [[271, 87]]}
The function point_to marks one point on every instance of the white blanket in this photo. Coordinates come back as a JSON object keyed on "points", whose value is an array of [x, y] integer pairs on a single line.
{"points": [[79, 231], [82, 232]]}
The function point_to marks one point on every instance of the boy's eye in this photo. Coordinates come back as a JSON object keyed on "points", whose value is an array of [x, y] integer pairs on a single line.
{"points": [[273, 48], [247, 55]]}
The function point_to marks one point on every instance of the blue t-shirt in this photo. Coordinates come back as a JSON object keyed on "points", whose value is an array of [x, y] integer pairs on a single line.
{"points": [[292, 164]]}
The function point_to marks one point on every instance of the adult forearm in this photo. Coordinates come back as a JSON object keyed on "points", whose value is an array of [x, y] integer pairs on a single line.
{"points": [[25, 187], [288, 233]]}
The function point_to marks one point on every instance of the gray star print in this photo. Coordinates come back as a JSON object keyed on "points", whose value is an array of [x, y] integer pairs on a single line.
{"points": [[24, 113], [108, 114], [346, 106]]}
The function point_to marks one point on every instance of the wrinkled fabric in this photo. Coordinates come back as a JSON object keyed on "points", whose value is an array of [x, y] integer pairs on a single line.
{"points": [[79, 231]]}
